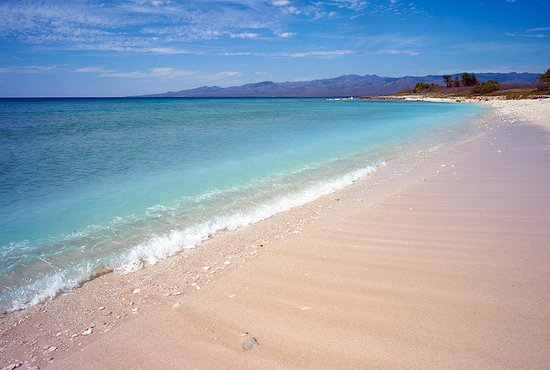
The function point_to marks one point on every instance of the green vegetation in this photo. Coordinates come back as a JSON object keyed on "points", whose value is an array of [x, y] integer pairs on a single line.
{"points": [[456, 82], [545, 77], [448, 81], [467, 85], [469, 79], [421, 86], [486, 87]]}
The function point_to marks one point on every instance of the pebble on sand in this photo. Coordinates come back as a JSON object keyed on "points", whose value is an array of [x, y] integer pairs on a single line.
{"points": [[12, 366], [87, 331], [136, 291], [250, 343]]}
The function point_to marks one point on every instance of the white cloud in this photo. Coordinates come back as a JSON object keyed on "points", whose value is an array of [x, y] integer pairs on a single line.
{"points": [[538, 29], [398, 52], [319, 9], [350, 4], [122, 47], [155, 2], [91, 70], [28, 18], [280, 3], [132, 25], [27, 69], [171, 27], [535, 32], [325, 53], [394, 41], [244, 35], [530, 33], [301, 54], [163, 73], [169, 72], [286, 35], [103, 72], [293, 10], [237, 54]]}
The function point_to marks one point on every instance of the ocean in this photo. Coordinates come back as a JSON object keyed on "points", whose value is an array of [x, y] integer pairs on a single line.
{"points": [[93, 185]]}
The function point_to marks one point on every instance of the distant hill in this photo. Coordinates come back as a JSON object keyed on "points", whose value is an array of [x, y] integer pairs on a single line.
{"points": [[347, 85]]}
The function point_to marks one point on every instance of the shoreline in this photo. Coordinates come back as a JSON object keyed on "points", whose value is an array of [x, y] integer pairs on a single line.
{"points": [[114, 306], [451, 98], [165, 243], [167, 226]]}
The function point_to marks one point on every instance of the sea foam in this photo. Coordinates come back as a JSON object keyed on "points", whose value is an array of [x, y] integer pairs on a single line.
{"points": [[160, 247]]}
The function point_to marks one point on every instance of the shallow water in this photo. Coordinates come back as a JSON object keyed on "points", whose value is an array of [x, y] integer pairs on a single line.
{"points": [[94, 184]]}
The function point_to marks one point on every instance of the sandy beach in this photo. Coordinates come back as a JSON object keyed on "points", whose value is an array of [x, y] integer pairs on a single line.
{"points": [[439, 260]]}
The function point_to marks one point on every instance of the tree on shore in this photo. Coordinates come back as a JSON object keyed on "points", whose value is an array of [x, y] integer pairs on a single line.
{"points": [[545, 77], [469, 79], [448, 81], [456, 82]]}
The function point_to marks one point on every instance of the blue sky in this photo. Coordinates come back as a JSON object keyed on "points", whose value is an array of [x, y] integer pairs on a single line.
{"points": [[118, 48]]}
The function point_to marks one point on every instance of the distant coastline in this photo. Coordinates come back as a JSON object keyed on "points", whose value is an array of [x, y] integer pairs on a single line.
{"points": [[346, 85]]}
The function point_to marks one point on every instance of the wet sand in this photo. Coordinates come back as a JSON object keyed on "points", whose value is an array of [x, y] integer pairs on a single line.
{"points": [[440, 261]]}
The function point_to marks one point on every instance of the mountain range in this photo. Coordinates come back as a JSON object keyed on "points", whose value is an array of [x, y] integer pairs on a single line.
{"points": [[347, 85]]}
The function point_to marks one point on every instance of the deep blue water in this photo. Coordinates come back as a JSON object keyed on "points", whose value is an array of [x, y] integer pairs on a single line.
{"points": [[89, 183]]}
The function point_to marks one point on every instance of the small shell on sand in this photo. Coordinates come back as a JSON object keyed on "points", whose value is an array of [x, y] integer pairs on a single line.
{"points": [[250, 343]]}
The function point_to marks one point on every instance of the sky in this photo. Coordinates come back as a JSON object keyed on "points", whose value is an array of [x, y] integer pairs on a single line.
{"points": [[68, 48]]}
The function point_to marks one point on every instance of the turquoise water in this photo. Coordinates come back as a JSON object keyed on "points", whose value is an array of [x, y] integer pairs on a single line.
{"points": [[87, 184]]}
